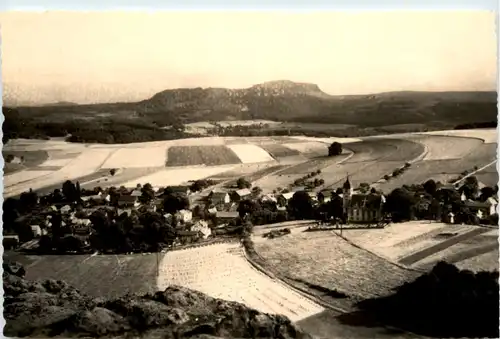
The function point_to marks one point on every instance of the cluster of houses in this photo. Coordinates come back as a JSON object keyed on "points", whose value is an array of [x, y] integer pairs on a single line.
{"points": [[221, 206]]}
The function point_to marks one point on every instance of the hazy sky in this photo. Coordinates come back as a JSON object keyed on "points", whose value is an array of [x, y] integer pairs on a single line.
{"points": [[125, 56]]}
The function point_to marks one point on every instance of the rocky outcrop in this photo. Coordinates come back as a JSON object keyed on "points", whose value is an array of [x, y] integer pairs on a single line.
{"points": [[54, 309]]}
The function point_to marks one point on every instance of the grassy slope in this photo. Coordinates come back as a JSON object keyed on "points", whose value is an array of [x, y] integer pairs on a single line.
{"points": [[101, 275]]}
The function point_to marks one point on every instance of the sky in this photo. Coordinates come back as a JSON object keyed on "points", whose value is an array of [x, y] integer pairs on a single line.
{"points": [[127, 56]]}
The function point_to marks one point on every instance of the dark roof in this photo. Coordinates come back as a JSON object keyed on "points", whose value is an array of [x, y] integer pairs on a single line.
{"points": [[127, 198], [187, 233], [477, 204], [365, 200]]}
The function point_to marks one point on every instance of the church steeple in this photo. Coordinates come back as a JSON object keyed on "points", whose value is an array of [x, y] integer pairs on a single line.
{"points": [[347, 184]]}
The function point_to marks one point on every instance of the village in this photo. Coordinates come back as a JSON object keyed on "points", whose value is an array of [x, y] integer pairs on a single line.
{"points": [[146, 218]]}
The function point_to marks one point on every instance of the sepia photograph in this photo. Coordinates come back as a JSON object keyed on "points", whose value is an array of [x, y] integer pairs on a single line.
{"points": [[260, 174]]}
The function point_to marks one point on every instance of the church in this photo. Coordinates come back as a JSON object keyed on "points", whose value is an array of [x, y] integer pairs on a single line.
{"points": [[361, 208]]}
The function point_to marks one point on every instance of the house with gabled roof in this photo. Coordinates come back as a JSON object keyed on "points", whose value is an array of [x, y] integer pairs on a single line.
{"points": [[283, 198], [483, 208], [241, 194], [219, 198], [128, 201]]}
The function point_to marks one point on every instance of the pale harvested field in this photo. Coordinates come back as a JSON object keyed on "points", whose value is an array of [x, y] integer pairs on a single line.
{"points": [[310, 147], [177, 176], [86, 163], [366, 172], [23, 176], [58, 154], [279, 151], [137, 157], [464, 250], [443, 148], [271, 182], [55, 162], [439, 243], [221, 271], [313, 165], [125, 175], [201, 155], [100, 275], [325, 259], [488, 176], [484, 262], [248, 153], [27, 145], [237, 171], [443, 170], [399, 240], [489, 135]]}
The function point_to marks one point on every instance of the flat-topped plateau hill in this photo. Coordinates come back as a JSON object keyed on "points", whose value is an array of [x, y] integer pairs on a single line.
{"points": [[161, 116]]}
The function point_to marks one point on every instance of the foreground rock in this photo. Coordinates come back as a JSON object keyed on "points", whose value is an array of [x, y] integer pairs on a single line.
{"points": [[53, 308]]}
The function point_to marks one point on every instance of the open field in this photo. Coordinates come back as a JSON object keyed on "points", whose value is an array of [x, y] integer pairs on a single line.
{"points": [[137, 157], [488, 135], [481, 262], [175, 176], [465, 249], [279, 151], [55, 162], [325, 259], [366, 172], [23, 176], [30, 159], [443, 170], [86, 163], [101, 275], [239, 170], [249, 153], [373, 157], [421, 244], [222, 271], [442, 148], [311, 147], [201, 155]]}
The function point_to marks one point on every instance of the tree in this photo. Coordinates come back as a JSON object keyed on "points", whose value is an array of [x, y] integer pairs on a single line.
{"points": [[175, 202], [148, 194], [430, 187], [69, 191], [400, 204], [112, 171], [470, 187], [487, 192], [300, 205], [28, 200], [256, 190], [243, 183], [248, 207], [335, 149]]}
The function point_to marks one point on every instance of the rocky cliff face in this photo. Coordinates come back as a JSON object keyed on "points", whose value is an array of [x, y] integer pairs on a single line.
{"points": [[55, 309]]}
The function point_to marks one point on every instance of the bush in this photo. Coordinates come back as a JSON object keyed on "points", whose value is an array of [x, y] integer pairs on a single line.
{"points": [[445, 302]]}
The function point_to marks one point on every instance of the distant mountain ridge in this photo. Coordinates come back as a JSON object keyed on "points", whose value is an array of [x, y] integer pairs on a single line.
{"points": [[285, 100]]}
